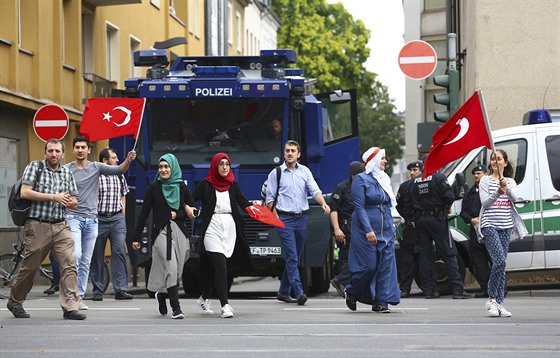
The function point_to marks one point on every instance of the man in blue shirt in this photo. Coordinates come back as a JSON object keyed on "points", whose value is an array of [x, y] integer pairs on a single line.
{"points": [[296, 181]]}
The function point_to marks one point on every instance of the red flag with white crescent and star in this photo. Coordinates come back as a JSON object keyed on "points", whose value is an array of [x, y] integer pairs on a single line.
{"points": [[106, 118], [466, 130], [264, 215]]}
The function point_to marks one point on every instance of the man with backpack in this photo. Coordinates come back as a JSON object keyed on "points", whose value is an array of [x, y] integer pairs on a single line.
{"points": [[46, 230]]}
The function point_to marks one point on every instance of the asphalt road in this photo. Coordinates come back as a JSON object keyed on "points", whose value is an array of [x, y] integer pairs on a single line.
{"points": [[264, 327]]}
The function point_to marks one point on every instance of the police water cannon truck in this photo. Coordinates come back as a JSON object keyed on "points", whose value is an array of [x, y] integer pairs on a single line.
{"points": [[248, 107]]}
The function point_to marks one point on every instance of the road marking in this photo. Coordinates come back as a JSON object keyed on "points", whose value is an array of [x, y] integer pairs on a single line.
{"points": [[90, 309], [346, 309]]}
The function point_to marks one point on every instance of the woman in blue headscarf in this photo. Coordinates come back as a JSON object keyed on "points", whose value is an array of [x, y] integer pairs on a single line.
{"points": [[167, 196], [371, 258]]}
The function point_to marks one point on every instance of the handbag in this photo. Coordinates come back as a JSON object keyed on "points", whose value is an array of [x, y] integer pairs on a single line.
{"points": [[196, 241]]}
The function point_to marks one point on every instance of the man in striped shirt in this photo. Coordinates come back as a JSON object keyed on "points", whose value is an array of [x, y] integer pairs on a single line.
{"points": [[112, 226]]}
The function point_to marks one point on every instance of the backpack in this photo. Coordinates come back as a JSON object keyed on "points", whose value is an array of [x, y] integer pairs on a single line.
{"points": [[265, 184], [19, 208]]}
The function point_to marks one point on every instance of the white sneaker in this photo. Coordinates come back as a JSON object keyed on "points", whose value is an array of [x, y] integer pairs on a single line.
{"points": [[492, 308], [503, 312], [83, 306], [205, 305], [227, 311]]}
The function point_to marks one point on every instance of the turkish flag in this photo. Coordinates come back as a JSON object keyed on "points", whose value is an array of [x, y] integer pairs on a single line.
{"points": [[464, 131], [264, 215], [106, 118]]}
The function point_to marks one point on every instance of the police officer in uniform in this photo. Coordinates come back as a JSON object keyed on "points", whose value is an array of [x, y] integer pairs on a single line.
{"points": [[408, 240], [431, 198], [470, 210], [342, 207]]}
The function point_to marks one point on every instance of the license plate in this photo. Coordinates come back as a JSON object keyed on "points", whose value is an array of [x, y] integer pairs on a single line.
{"points": [[265, 251]]}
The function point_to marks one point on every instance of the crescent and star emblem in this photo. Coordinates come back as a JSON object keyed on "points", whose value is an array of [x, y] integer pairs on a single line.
{"points": [[107, 116], [464, 123], [253, 209]]}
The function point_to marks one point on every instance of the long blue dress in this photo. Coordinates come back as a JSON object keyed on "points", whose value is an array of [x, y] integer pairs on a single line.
{"points": [[373, 266]]}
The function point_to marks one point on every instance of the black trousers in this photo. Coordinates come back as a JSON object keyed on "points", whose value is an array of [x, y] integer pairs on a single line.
{"points": [[433, 230], [343, 277], [213, 274], [407, 256]]}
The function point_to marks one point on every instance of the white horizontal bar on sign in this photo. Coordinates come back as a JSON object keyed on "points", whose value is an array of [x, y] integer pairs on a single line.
{"points": [[51, 123], [418, 59]]}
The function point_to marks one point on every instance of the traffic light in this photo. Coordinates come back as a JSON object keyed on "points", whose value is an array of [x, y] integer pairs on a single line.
{"points": [[450, 99]]}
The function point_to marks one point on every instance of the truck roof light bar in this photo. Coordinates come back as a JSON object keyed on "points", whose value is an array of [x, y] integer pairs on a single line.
{"points": [[216, 71], [267, 59]]}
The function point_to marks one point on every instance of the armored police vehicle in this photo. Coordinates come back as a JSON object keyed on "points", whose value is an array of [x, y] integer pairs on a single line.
{"points": [[248, 107]]}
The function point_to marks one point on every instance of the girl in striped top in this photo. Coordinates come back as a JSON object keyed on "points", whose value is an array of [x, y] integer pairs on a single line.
{"points": [[499, 223]]}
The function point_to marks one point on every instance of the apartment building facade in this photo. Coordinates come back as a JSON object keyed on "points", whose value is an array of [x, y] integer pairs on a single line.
{"points": [[509, 49], [66, 51]]}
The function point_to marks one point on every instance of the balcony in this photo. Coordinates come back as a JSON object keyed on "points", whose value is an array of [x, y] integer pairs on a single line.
{"points": [[96, 86], [112, 2]]}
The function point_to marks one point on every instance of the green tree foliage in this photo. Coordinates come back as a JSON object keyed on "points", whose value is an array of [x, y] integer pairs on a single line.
{"points": [[332, 47]]}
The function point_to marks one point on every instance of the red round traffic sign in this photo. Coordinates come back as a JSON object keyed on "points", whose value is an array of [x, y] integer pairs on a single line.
{"points": [[417, 59], [50, 121]]}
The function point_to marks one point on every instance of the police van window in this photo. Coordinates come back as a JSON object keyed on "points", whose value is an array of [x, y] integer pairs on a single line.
{"points": [[250, 130], [517, 156], [552, 143], [478, 160]]}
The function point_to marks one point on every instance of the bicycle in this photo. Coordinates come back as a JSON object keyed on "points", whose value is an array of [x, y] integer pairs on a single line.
{"points": [[10, 264]]}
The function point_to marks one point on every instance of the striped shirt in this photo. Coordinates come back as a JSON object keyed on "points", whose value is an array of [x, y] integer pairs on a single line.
{"points": [[51, 182], [111, 189], [497, 215]]}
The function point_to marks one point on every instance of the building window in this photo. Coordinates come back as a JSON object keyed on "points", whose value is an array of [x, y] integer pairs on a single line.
{"points": [[441, 66], [194, 17], [134, 46], [27, 20], [230, 23], [112, 53], [239, 30], [8, 168], [68, 33], [87, 41], [434, 4]]}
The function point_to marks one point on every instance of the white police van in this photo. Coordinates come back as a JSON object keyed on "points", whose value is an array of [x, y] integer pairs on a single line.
{"points": [[533, 150]]}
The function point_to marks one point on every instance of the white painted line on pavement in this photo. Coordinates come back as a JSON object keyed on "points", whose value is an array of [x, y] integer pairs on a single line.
{"points": [[346, 309]]}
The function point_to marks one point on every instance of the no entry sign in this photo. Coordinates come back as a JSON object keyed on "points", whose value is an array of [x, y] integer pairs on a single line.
{"points": [[50, 121], [417, 59]]}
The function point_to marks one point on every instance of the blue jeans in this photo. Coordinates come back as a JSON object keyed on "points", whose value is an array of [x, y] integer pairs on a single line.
{"points": [[293, 242], [84, 233]]}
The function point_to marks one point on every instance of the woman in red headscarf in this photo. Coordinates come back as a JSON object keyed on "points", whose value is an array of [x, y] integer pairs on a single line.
{"points": [[222, 229]]}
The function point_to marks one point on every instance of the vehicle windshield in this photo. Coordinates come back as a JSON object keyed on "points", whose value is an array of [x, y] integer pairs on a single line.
{"points": [[249, 130]]}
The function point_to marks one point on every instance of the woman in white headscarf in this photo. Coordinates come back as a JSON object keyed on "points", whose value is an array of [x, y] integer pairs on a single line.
{"points": [[371, 258]]}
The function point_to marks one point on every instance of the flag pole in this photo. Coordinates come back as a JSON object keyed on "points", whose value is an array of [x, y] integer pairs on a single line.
{"points": [[488, 131], [140, 124]]}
